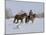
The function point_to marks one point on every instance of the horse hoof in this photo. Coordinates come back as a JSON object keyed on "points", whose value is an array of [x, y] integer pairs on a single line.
{"points": [[16, 22], [25, 22], [21, 22]]}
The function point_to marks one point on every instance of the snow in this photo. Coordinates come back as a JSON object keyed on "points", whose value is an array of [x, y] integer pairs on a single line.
{"points": [[37, 26]]}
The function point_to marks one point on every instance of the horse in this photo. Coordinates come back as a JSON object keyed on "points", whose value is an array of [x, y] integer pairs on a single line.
{"points": [[30, 18], [19, 17]]}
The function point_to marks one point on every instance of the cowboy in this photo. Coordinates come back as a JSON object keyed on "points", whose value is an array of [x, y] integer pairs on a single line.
{"points": [[30, 13]]}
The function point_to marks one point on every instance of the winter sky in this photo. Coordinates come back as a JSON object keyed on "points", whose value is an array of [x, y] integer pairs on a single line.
{"points": [[26, 6]]}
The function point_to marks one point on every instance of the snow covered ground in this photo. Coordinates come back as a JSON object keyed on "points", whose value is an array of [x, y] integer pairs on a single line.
{"points": [[37, 26]]}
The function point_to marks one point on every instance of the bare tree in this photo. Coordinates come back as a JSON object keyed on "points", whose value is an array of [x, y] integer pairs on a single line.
{"points": [[8, 13], [40, 15]]}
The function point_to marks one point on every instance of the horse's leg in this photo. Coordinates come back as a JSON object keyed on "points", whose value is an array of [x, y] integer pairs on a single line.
{"points": [[14, 20], [17, 20], [32, 20], [21, 20], [26, 20]]}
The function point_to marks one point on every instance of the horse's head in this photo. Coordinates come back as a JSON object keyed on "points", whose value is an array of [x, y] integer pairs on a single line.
{"points": [[24, 15], [34, 15]]}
